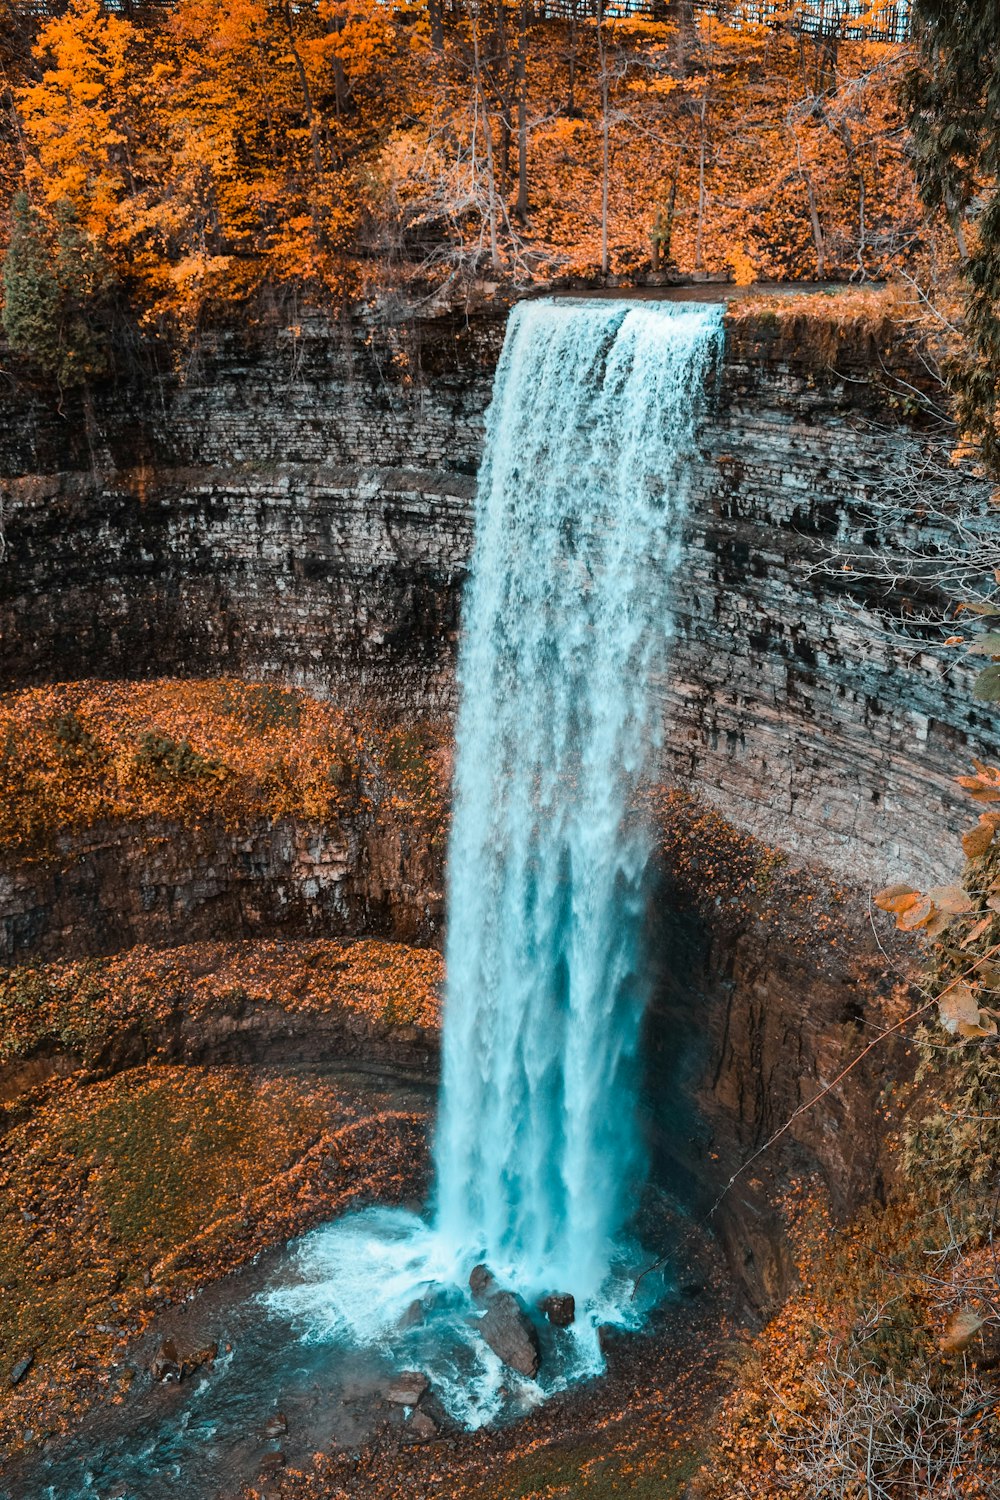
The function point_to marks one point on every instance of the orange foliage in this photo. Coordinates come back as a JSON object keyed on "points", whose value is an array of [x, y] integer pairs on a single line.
{"points": [[78, 753], [215, 150], [82, 1005]]}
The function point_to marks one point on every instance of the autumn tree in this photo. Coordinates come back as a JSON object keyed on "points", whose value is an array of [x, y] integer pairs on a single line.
{"points": [[81, 120]]}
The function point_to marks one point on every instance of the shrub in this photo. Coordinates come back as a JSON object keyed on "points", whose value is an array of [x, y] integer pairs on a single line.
{"points": [[57, 294]]}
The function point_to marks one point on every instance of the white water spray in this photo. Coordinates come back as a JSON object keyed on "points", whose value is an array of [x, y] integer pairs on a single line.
{"points": [[566, 628], [581, 500]]}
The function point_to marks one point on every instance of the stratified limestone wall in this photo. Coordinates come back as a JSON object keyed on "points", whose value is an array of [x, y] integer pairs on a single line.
{"points": [[163, 882], [295, 508], [299, 507], [788, 704]]}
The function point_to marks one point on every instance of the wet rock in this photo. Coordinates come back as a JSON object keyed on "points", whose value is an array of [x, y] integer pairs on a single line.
{"points": [[21, 1369], [407, 1388], [510, 1333], [560, 1309], [276, 1426], [482, 1283], [172, 1364], [194, 1359], [414, 1315], [166, 1364], [422, 1426]]}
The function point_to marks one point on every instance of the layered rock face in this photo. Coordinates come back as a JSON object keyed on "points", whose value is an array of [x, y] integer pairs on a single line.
{"points": [[296, 508], [160, 882], [299, 507]]}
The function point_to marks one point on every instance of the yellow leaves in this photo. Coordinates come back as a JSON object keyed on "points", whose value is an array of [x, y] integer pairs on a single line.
{"points": [[230, 749], [654, 87], [958, 1010], [744, 272], [917, 913], [930, 911], [951, 900], [74, 119], [977, 840], [897, 898], [985, 785]]}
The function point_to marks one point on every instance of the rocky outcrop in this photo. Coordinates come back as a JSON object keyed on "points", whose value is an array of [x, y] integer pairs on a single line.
{"points": [[237, 1032], [560, 1309], [159, 882], [762, 1000]]}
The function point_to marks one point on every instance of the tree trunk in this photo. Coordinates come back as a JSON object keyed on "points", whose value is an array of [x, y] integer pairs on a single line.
{"points": [[491, 186], [306, 95], [699, 238], [571, 61], [605, 145], [435, 15], [819, 239], [521, 76]]}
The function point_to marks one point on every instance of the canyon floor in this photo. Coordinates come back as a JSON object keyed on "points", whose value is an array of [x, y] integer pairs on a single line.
{"points": [[171, 1120]]}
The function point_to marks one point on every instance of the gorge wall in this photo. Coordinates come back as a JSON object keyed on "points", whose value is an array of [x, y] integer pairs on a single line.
{"points": [[298, 508], [299, 505]]}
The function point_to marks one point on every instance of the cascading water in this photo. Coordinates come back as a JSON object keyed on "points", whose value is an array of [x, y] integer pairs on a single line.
{"points": [[566, 626], [581, 497]]}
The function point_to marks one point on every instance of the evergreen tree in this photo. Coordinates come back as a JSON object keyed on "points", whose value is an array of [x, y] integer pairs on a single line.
{"points": [[57, 293]]}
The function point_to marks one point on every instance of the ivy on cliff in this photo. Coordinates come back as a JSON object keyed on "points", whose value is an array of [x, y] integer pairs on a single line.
{"points": [[954, 98]]}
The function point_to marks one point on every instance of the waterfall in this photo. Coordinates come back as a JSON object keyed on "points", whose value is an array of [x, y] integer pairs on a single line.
{"points": [[567, 619]]}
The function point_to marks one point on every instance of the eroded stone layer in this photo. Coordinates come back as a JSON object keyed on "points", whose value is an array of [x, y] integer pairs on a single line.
{"points": [[299, 507]]}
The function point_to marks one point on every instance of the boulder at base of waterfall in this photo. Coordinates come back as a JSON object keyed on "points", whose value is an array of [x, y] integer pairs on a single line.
{"points": [[482, 1283], [423, 1426], [166, 1363], [407, 1388], [414, 1315], [171, 1363], [510, 1333], [560, 1309]]}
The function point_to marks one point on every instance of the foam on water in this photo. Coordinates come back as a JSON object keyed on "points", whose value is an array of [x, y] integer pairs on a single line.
{"points": [[566, 628]]}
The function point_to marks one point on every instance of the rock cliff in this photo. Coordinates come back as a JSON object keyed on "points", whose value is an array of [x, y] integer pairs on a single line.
{"points": [[298, 506]]}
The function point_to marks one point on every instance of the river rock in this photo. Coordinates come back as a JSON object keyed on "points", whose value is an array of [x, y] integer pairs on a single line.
{"points": [[21, 1369], [407, 1388], [510, 1333], [166, 1363], [560, 1309], [422, 1426], [414, 1315], [171, 1364], [482, 1283]]}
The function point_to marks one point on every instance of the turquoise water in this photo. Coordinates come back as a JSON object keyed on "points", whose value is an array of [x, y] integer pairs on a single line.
{"points": [[566, 630], [567, 624]]}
